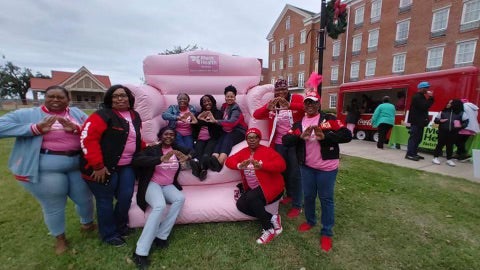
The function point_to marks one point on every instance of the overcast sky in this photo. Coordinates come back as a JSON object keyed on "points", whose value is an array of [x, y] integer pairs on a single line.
{"points": [[113, 37]]}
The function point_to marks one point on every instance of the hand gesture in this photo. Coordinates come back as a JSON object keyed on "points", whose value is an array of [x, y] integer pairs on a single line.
{"points": [[193, 119], [166, 157], [180, 156], [319, 135], [68, 125], [272, 104], [283, 103], [203, 116], [243, 165], [46, 124], [307, 133], [257, 164], [101, 175], [210, 118]]}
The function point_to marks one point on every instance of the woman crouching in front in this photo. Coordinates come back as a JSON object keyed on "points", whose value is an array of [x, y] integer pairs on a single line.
{"points": [[157, 168], [261, 168]]}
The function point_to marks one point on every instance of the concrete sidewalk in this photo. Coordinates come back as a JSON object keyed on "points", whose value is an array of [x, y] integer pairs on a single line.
{"points": [[369, 150]]}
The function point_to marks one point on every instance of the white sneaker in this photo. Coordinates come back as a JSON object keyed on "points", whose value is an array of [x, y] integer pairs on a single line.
{"points": [[277, 224], [451, 163], [436, 161]]}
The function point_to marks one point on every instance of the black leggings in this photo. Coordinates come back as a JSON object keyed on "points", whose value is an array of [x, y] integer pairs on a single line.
{"points": [[253, 203]]}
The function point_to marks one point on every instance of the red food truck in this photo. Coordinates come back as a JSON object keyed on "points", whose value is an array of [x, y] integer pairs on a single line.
{"points": [[446, 84]]}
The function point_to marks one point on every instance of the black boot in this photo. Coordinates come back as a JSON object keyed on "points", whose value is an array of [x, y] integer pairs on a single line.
{"points": [[215, 164], [195, 164], [160, 243], [141, 262]]}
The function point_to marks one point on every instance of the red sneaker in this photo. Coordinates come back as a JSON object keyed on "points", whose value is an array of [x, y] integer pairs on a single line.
{"points": [[294, 212], [326, 243], [286, 200], [304, 227], [277, 224], [267, 236]]}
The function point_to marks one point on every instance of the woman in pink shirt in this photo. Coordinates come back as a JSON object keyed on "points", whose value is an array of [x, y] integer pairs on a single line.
{"points": [[157, 169]]}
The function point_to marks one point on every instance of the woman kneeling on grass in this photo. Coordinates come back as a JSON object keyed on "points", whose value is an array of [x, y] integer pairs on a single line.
{"points": [[261, 168], [157, 168]]}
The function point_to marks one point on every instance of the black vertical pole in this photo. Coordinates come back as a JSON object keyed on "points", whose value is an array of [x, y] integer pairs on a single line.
{"points": [[321, 42]]}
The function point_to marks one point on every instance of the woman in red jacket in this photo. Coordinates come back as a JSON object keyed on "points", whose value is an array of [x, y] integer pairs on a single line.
{"points": [[261, 168]]}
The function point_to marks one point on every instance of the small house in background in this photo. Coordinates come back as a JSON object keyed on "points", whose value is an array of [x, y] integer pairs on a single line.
{"points": [[86, 89]]}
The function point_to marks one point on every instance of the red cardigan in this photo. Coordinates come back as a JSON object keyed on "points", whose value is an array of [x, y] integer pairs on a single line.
{"points": [[296, 105], [269, 176]]}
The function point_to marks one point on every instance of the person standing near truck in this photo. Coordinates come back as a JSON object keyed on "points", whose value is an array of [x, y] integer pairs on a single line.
{"points": [[383, 119], [418, 119]]}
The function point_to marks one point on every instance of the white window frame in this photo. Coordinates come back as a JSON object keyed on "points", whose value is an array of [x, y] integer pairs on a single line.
{"points": [[469, 9], [357, 43], [290, 79], [400, 31], [359, 15], [472, 44], [334, 73], [355, 70], [281, 45], [274, 47], [435, 56], [373, 37], [301, 58], [280, 63], [332, 101], [303, 36], [376, 11], [336, 48], [287, 23], [440, 17], [272, 81], [273, 65], [398, 64], [315, 63], [301, 79], [291, 39], [405, 3], [370, 66], [290, 60]]}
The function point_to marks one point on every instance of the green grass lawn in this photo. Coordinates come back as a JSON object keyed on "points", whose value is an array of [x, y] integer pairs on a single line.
{"points": [[387, 217]]}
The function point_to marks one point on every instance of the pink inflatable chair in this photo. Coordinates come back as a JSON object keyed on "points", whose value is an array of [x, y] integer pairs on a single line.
{"points": [[198, 73]]}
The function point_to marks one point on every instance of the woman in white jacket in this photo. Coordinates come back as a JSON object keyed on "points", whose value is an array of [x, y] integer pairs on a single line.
{"points": [[471, 111]]}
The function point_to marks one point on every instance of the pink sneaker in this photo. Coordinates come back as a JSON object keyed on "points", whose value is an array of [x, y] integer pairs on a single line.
{"points": [[304, 227], [294, 212], [277, 224], [326, 243], [267, 236], [286, 200]]}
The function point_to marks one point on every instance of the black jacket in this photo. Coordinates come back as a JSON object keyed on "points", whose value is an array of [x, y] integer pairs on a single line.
{"points": [[144, 163], [329, 146], [418, 115], [214, 130]]}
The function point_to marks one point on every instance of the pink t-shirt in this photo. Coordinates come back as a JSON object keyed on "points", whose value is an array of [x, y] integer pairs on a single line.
{"points": [[284, 123], [130, 146], [57, 139], [165, 171], [183, 128], [204, 135], [313, 154]]}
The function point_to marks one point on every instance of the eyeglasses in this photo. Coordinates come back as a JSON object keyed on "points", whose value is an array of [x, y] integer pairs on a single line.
{"points": [[119, 96]]}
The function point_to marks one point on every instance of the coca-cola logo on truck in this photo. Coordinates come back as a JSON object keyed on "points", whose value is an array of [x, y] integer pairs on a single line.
{"points": [[365, 122]]}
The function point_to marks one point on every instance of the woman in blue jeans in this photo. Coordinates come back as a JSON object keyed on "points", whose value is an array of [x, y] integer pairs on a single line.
{"points": [[45, 160], [110, 137], [316, 138], [158, 167]]}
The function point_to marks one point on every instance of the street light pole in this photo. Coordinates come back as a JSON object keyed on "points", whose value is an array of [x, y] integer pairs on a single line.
{"points": [[321, 42]]}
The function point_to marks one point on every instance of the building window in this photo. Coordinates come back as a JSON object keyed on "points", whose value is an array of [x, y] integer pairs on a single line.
{"points": [[357, 44], [336, 49], [470, 15], [290, 60], [280, 63], [79, 98], [287, 23], [290, 41], [399, 63], [272, 81], [332, 101], [359, 16], [402, 32], [405, 3], [290, 79], [354, 70], [273, 65], [334, 74], [376, 11], [370, 67], [281, 45], [316, 65], [373, 40], [274, 48], [434, 58], [301, 79], [465, 52], [301, 58], [303, 36], [440, 21]]}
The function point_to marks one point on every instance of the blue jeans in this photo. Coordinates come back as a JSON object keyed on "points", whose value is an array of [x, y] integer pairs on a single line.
{"points": [[185, 141], [416, 134], [156, 226], [291, 175], [60, 178], [113, 220], [322, 183], [227, 141]]}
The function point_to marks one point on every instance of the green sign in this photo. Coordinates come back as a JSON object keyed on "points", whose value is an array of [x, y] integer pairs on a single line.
{"points": [[430, 137]]}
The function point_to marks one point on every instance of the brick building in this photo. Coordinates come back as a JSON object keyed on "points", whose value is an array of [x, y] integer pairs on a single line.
{"points": [[383, 38]]}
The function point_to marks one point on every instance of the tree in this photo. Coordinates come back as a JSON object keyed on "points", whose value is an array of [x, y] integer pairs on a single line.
{"points": [[179, 49], [15, 81]]}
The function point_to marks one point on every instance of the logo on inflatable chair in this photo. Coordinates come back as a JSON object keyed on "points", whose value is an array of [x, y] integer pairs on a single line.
{"points": [[203, 63]]}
